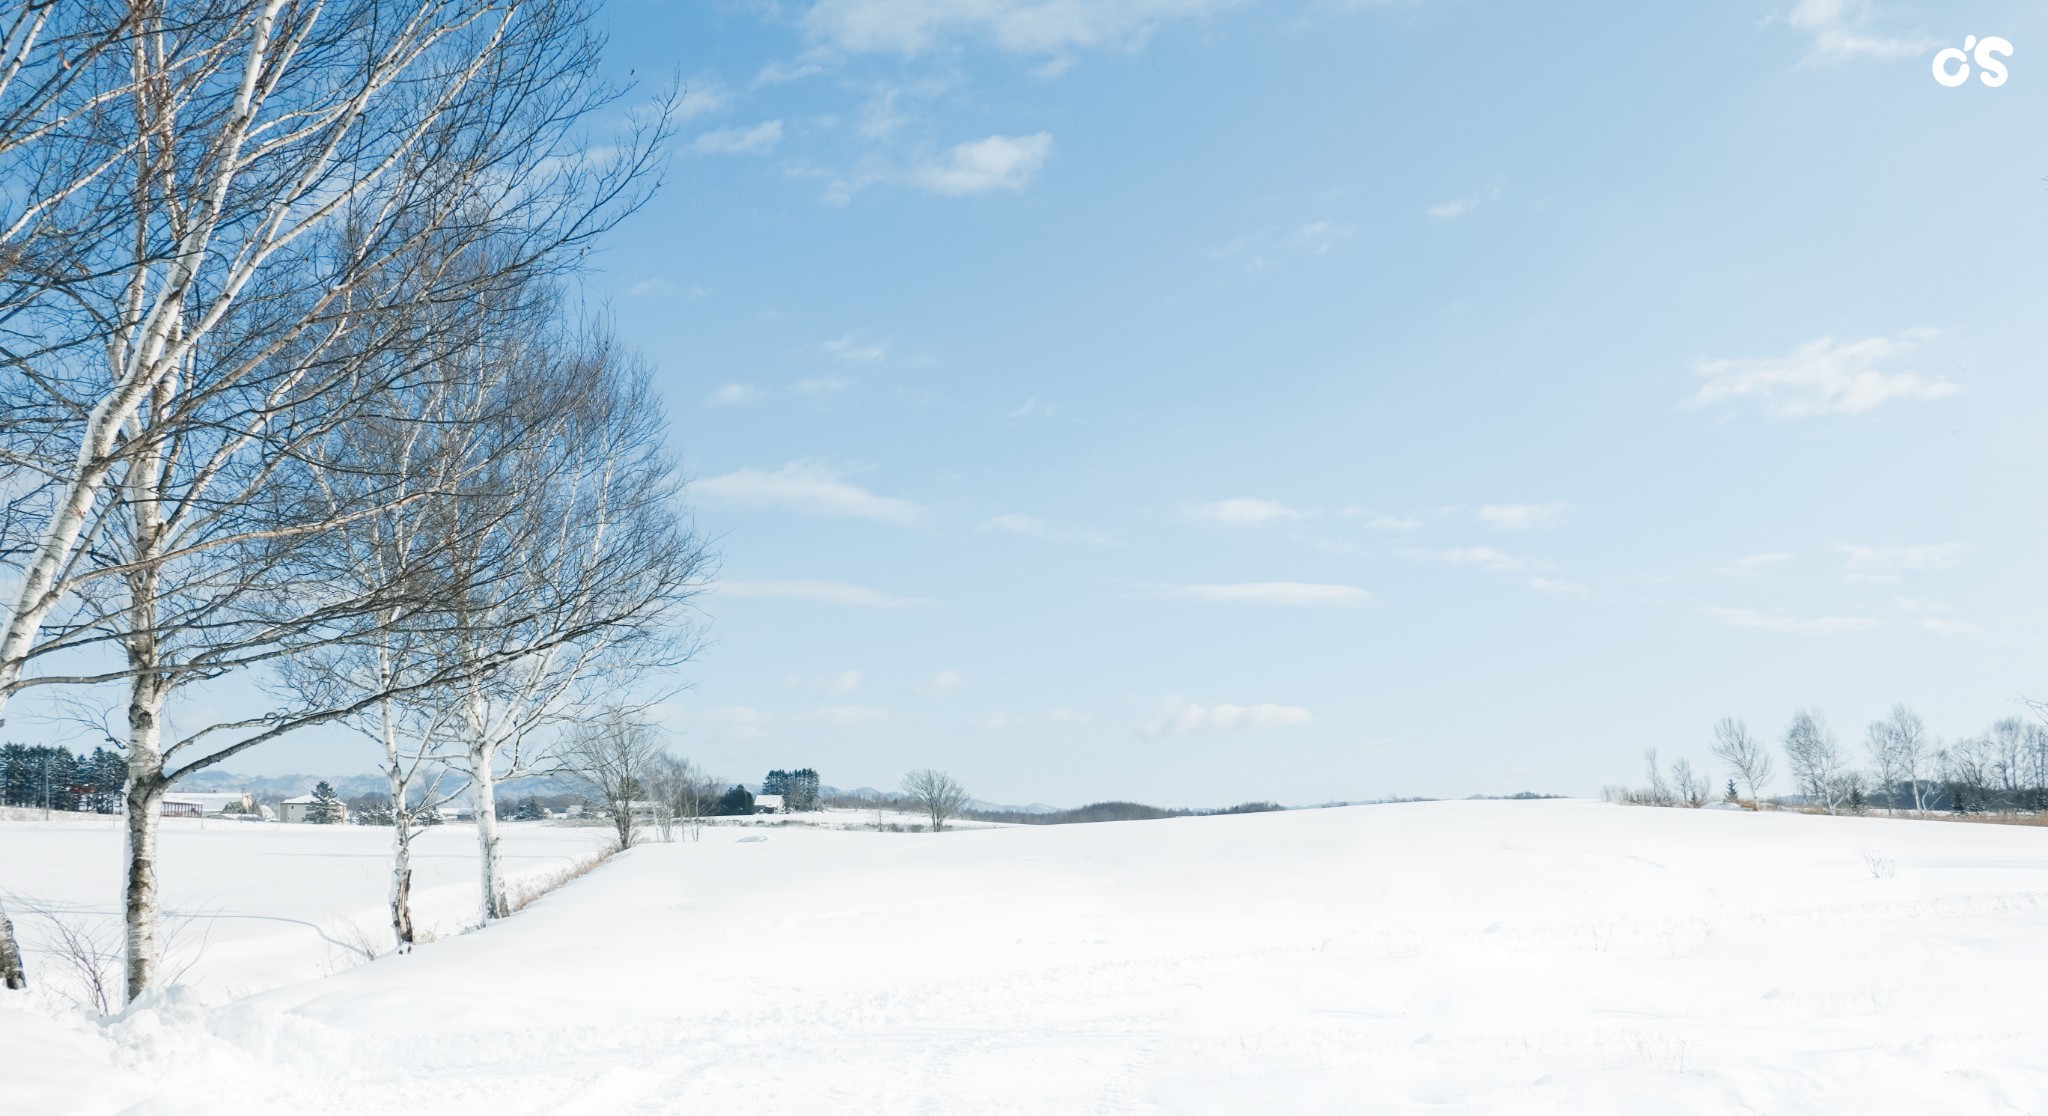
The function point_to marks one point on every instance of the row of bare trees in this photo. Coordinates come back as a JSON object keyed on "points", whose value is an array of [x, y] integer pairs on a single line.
{"points": [[291, 391], [1902, 767]]}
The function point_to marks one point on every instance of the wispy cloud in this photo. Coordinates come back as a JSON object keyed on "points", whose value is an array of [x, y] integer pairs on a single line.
{"points": [[1903, 559], [1484, 557], [1822, 377], [985, 165], [821, 592], [1060, 716], [1179, 717], [701, 97], [730, 722], [810, 488], [1944, 626], [844, 715], [945, 681], [1290, 594], [1792, 625], [852, 349], [1033, 408], [1753, 565], [1030, 526], [756, 140], [1018, 26], [828, 384], [1520, 517], [1242, 511], [1459, 207], [735, 395], [844, 682], [1841, 29], [1558, 588], [1265, 249]]}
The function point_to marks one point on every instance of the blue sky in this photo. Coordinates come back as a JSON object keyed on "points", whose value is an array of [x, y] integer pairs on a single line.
{"points": [[1197, 401]]}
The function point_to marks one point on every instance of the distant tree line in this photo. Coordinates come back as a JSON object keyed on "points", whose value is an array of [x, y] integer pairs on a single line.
{"points": [[1901, 766], [1109, 812], [43, 775]]}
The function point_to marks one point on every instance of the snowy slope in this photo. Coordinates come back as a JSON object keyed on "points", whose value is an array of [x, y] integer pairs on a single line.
{"points": [[1542, 957]]}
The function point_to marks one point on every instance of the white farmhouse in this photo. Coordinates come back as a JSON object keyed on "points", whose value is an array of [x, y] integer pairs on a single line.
{"points": [[769, 804], [300, 808]]}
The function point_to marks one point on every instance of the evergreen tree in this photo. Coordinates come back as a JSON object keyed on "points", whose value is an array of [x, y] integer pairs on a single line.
{"points": [[374, 813], [737, 801], [799, 788], [529, 810], [327, 808]]}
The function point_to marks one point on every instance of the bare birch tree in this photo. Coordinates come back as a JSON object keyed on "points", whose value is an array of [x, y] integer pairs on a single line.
{"points": [[1912, 751], [274, 163], [1689, 787], [305, 195], [1745, 756], [614, 755], [1815, 759], [938, 795], [577, 588], [1881, 745]]}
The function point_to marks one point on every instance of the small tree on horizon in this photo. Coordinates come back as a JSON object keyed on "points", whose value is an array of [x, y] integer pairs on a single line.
{"points": [[938, 795]]}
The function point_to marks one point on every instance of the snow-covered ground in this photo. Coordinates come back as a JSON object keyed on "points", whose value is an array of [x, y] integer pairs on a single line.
{"points": [[1512, 957]]}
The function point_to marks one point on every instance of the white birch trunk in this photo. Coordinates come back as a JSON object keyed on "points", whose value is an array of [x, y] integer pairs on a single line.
{"points": [[145, 807], [485, 796], [401, 838]]}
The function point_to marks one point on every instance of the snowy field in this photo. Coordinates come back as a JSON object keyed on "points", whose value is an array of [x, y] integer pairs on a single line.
{"points": [[1510, 957]]}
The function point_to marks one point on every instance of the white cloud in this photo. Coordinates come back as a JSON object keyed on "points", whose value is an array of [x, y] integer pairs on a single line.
{"points": [[1379, 522], [1262, 250], [829, 384], [810, 488], [1947, 627], [1881, 560], [821, 592], [733, 722], [979, 166], [851, 349], [1558, 588], [1178, 717], [1840, 31], [1822, 377], [944, 681], [1018, 26], [845, 715], [1291, 594], [1049, 717], [1520, 517], [702, 97], [844, 682], [1242, 511], [1032, 408], [1317, 237], [1794, 625], [734, 395], [1755, 564], [1485, 557], [1454, 209], [1030, 526], [757, 140]]}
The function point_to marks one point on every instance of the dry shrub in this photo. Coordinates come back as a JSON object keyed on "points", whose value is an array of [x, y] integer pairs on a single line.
{"points": [[526, 892]]}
